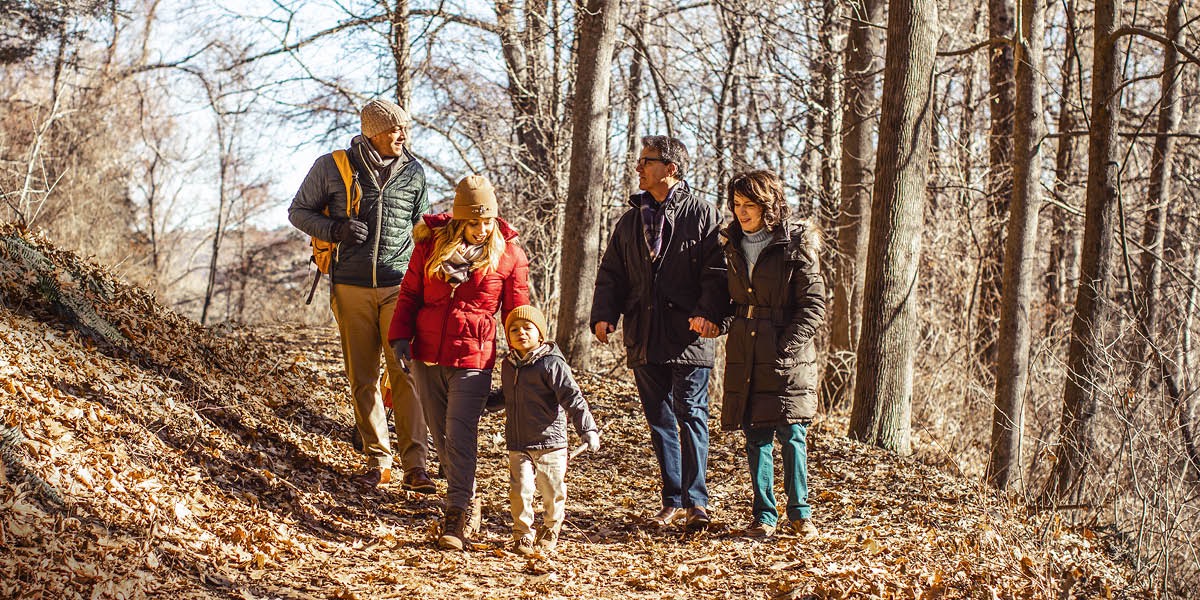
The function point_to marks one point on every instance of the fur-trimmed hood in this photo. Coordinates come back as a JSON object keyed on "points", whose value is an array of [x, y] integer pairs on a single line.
{"points": [[801, 236], [423, 230]]}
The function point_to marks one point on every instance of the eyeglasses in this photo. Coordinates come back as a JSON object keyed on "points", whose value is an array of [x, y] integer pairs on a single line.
{"points": [[641, 162]]}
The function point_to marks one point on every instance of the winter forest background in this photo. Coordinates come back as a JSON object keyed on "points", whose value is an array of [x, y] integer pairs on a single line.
{"points": [[1008, 190]]}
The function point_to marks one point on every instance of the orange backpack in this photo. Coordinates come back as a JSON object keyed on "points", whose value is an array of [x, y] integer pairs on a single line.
{"points": [[322, 251]]}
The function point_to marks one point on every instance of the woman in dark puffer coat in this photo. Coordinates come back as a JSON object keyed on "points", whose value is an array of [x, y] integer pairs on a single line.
{"points": [[778, 302], [465, 267]]}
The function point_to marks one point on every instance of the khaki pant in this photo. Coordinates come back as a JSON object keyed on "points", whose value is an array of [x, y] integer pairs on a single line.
{"points": [[364, 316], [545, 471]]}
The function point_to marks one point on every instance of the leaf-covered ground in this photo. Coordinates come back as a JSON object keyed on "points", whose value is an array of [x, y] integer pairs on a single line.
{"points": [[145, 456]]}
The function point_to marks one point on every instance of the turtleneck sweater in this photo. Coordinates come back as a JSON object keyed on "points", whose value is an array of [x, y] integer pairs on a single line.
{"points": [[753, 244]]}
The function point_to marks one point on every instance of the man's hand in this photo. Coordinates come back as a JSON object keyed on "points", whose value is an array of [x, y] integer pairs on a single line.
{"points": [[402, 349], [592, 439], [350, 232], [704, 327], [603, 328]]}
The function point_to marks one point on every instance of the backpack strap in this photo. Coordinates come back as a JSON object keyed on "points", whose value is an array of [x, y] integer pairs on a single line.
{"points": [[350, 179]]}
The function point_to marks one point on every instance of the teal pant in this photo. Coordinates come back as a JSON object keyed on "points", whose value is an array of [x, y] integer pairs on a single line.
{"points": [[760, 449]]}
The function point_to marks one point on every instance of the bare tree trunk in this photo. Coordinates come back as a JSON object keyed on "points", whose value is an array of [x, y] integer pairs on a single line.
{"points": [[1085, 360], [597, 31], [1000, 150], [1020, 254], [853, 229], [633, 142], [1064, 244], [401, 54], [883, 393], [828, 197], [1157, 203], [732, 29]]}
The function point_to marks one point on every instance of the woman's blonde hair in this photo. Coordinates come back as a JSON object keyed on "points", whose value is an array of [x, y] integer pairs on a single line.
{"points": [[448, 238]]}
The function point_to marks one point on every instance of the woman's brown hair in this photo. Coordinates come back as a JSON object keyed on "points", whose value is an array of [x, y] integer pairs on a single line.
{"points": [[765, 189]]}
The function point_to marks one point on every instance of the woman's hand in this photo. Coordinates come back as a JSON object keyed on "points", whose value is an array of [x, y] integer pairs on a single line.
{"points": [[703, 327]]}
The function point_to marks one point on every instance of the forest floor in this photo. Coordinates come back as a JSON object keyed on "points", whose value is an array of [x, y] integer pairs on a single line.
{"points": [[145, 456]]}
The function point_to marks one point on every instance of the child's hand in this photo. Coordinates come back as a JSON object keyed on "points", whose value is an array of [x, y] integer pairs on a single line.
{"points": [[592, 439]]}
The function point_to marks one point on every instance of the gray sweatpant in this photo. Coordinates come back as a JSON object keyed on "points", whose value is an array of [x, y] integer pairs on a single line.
{"points": [[453, 400]]}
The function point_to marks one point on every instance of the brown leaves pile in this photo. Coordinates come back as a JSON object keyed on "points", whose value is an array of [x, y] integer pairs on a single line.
{"points": [[213, 464]]}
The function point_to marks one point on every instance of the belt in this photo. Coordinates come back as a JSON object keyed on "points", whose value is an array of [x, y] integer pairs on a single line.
{"points": [[751, 311]]}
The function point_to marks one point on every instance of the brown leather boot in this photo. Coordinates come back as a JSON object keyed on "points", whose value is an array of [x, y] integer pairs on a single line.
{"points": [[417, 480]]}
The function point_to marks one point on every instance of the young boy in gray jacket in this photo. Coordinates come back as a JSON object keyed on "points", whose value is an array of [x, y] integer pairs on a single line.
{"points": [[539, 394]]}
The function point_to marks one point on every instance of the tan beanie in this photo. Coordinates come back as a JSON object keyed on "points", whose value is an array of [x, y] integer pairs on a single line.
{"points": [[529, 313], [379, 116], [475, 198]]}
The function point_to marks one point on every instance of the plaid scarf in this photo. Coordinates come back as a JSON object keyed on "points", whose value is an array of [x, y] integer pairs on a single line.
{"points": [[457, 266], [654, 219]]}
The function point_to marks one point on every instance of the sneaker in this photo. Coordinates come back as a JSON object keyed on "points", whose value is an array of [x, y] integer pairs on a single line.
{"points": [[373, 477], [760, 529], [453, 536], [474, 517], [668, 516], [417, 480], [547, 540], [804, 528], [697, 518], [523, 546]]}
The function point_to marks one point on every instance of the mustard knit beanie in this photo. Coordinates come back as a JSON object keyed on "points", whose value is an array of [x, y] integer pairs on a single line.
{"points": [[379, 116], [529, 313], [475, 198]]}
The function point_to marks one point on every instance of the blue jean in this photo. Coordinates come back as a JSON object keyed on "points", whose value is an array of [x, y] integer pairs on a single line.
{"points": [[675, 400], [760, 450], [453, 402]]}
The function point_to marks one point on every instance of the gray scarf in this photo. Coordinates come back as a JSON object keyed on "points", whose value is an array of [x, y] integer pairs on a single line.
{"points": [[457, 266], [380, 166]]}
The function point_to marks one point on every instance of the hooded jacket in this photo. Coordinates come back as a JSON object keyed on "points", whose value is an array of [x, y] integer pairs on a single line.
{"points": [[390, 209], [658, 298], [539, 395], [456, 326], [770, 358]]}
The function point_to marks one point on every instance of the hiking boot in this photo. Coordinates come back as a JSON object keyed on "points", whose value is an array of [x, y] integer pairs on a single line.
{"points": [[417, 480], [760, 529], [697, 518], [547, 540], [474, 517], [668, 516], [453, 535], [804, 528], [373, 477], [523, 546]]}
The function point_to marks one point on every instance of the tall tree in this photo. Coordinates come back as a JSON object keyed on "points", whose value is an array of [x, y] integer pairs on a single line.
{"points": [[1020, 253], [1085, 367], [858, 131], [597, 35], [999, 180], [1061, 273], [883, 391]]}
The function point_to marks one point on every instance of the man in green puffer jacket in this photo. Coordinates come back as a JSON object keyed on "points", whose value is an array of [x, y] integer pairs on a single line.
{"points": [[373, 249]]}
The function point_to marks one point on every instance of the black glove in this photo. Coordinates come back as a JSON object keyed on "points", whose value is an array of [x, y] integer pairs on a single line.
{"points": [[495, 401], [350, 232], [402, 349]]}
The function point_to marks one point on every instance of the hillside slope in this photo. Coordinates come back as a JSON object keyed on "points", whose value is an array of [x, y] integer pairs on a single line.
{"points": [[145, 456]]}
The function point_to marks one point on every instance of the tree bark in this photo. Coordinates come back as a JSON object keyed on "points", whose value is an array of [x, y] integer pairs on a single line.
{"points": [[1155, 229], [401, 53], [1085, 361], [883, 396], [858, 130], [1020, 253], [1000, 151], [586, 191], [1062, 273], [633, 143]]}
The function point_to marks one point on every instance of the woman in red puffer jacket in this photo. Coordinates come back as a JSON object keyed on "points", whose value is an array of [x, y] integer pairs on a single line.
{"points": [[465, 267]]}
